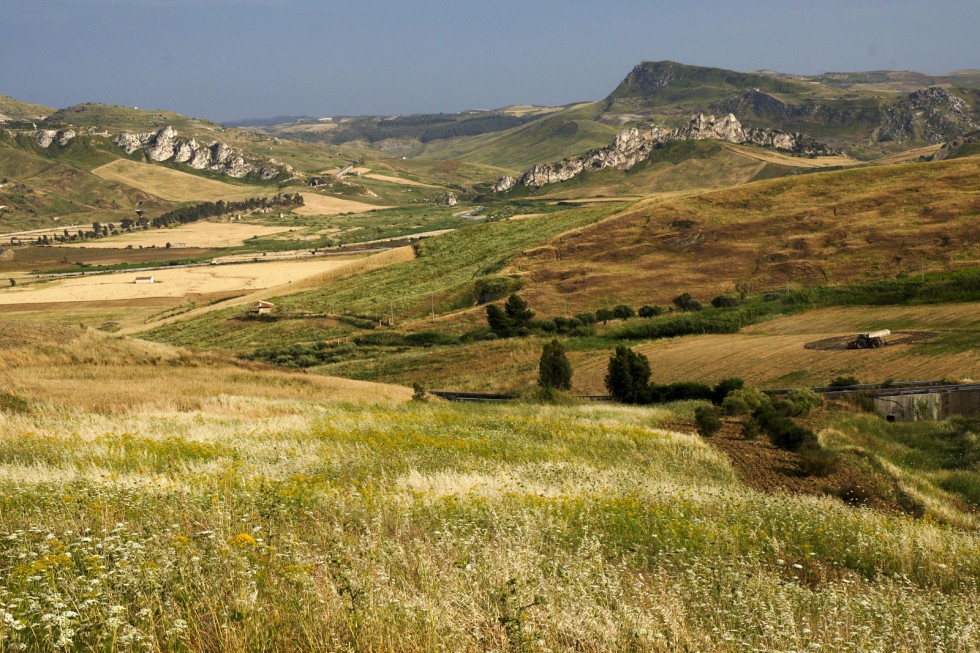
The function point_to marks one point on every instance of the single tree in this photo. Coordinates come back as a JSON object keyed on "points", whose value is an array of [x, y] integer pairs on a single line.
{"points": [[518, 312], [623, 312], [554, 370], [628, 376], [497, 320]]}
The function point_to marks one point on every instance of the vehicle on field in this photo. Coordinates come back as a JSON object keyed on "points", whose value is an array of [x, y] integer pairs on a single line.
{"points": [[870, 340]]}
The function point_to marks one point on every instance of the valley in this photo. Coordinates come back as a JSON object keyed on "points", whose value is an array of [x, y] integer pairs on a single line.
{"points": [[219, 346]]}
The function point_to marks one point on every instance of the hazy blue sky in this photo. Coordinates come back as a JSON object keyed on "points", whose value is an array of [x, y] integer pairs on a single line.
{"points": [[227, 59]]}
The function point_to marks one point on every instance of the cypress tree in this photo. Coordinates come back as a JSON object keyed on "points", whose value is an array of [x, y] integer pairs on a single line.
{"points": [[554, 370]]}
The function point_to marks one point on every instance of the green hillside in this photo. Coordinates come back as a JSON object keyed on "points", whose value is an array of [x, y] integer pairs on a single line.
{"points": [[15, 110]]}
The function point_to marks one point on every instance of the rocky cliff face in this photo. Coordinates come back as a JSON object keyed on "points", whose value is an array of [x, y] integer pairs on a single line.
{"points": [[632, 146], [165, 145], [45, 137]]}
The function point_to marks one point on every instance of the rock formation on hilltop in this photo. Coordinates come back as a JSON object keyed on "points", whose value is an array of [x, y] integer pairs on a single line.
{"points": [[632, 146], [931, 114], [164, 145], [952, 148]]}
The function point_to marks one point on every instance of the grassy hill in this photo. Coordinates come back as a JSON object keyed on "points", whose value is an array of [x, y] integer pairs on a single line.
{"points": [[215, 504], [16, 110]]}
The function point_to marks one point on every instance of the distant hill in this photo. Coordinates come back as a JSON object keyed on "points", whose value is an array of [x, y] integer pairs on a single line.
{"points": [[15, 110]]}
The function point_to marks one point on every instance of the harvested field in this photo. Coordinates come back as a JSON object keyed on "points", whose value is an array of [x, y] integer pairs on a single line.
{"points": [[316, 204], [172, 283], [197, 234], [26, 259], [772, 156], [803, 350], [173, 184], [398, 180]]}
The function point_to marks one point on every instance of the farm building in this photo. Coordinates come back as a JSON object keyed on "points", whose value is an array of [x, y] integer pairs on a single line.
{"points": [[261, 307], [145, 280]]}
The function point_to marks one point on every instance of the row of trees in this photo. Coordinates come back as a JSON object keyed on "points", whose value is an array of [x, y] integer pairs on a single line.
{"points": [[196, 212]]}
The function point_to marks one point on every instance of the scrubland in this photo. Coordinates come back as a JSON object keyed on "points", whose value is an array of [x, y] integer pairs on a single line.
{"points": [[244, 509]]}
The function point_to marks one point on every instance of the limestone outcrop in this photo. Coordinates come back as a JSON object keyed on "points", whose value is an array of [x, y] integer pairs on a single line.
{"points": [[164, 145], [45, 137], [932, 114], [631, 146], [952, 147]]}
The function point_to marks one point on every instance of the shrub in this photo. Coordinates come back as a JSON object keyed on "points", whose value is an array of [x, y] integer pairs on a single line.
{"points": [[628, 376], [681, 391], [750, 429], [784, 432], [725, 301], [707, 420], [724, 388], [651, 311], [11, 403], [804, 401], [554, 370], [586, 318], [623, 312], [844, 381], [687, 303], [817, 461], [745, 401]]}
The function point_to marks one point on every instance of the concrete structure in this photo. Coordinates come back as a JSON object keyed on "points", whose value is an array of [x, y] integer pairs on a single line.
{"points": [[145, 280], [935, 403], [261, 307]]}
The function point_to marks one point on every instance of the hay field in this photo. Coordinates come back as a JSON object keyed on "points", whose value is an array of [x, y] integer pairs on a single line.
{"points": [[316, 204], [175, 185], [196, 234], [179, 282]]}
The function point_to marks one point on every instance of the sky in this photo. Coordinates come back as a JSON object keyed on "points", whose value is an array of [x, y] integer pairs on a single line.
{"points": [[231, 59]]}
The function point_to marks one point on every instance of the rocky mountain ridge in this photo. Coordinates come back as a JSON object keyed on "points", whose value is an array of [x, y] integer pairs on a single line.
{"points": [[631, 146], [164, 145]]}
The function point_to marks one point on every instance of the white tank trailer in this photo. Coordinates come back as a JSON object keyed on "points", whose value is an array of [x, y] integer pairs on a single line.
{"points": [[870, 340]]}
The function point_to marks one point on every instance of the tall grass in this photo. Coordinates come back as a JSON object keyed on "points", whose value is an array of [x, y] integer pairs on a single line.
{"points": [[251, 524]]}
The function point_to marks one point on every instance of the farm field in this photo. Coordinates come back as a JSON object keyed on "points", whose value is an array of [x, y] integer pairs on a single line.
{"points": [[196, 234], [186, 503], [179, 282], [397, 180], [316, 204], [175, 185]]}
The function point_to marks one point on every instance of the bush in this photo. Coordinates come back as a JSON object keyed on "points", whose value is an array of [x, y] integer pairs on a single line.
{"points": [[623, 312], [687, 303], [628, 376], [804, 401], [681, 391], [724, 388], [844, 381], [604, 315], [586, 318], [11, 403], [554, 370], [817, 461], [784, 432], [725, 301], [707, 420], [745, 401], [750, 429], [651, 311]]}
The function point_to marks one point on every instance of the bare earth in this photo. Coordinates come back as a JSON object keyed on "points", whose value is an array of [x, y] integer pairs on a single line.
{"points": [[315, 204], [398, 180], [173, 184]]}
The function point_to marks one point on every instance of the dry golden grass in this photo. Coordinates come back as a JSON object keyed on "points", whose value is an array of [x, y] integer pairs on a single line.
{"points": [[835, 227], [316, 204], [173, 184], [398, 180], [108, 374]]}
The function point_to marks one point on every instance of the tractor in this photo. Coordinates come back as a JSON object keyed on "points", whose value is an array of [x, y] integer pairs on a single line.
{"points": [[870, 340]]}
